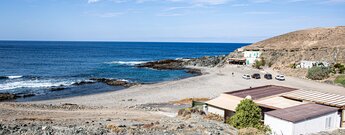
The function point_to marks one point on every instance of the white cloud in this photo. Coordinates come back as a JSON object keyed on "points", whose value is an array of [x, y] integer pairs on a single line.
{"points": [[260, 1], [92, 1]]}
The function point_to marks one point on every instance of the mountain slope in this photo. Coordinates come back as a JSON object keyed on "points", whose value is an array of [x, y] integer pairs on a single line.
{"points": [[320, 44]]}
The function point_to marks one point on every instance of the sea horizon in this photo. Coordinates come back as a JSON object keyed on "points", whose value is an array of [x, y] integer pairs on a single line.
{"points": [[125, 41]]}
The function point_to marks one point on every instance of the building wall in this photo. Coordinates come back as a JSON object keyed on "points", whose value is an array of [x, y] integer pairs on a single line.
{"points": [[251, 56], [310, 64], [278, 126], [282, 127], [215, 110], [343, 118], [317, 124]]}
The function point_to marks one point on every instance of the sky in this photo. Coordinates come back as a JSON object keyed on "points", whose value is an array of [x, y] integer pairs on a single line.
{"points": [[243, 21]]}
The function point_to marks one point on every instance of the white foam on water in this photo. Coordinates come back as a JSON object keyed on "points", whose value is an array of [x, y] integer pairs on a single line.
{"points": [[14, 77], [32, 84], [123, 80], [183, 59], [131, 63]]}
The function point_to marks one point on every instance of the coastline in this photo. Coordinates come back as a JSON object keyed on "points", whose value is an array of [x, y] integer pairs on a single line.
{"points": [[145, 104], [64, 91]]}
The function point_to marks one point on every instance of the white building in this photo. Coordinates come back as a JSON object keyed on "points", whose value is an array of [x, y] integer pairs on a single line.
{"points": [[240, 49], [225, 105], [310, 64], [303, 119], [251, 56]]}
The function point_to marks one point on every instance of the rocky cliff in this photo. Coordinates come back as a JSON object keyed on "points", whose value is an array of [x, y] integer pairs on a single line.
{"points": [[319, 44]]}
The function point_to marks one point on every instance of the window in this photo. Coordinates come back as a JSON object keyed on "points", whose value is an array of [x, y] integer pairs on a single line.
{"points": [[328, 122]]}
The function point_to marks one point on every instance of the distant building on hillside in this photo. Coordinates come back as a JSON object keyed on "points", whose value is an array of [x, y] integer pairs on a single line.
{"points": [[251, 56], [310, 64], [240, 49]]}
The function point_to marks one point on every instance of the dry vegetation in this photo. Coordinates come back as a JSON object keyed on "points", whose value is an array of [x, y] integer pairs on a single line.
{"points": [[188, 101]]}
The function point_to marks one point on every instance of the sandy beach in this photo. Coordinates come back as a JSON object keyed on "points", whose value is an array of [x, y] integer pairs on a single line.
{"points": [[214, 82], [147, 103]]}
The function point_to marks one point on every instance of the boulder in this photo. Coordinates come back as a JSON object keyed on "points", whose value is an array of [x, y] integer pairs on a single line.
{"points": [[57, 88], [194, 71], [7, 96], [3, 77], [115, 82]]}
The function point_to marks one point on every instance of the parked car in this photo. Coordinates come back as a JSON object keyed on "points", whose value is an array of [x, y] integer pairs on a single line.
{"points": [[268, 76], [246, 76], [256, 76], [280, 77]]}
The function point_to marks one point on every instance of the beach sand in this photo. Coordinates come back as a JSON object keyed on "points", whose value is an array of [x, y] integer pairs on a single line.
{"points": [[214, 82], [124, 106]]}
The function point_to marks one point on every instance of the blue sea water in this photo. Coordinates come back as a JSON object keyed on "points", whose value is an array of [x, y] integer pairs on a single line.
{"points": [[34, 67]]}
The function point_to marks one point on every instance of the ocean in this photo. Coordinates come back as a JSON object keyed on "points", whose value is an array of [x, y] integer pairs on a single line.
{"points": [[34, 67]]}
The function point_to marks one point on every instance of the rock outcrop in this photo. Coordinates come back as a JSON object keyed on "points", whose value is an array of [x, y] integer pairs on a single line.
{"points": [[115, 82], [164, 65], [184, 64], [7, 96]]}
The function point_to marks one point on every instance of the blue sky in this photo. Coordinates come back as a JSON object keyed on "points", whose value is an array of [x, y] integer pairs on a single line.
{"points": [[163, 20]]}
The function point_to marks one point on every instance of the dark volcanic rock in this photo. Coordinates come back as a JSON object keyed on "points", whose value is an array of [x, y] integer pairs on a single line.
{"points": [[83, 83], [57, 88], [194, 71], [7, 96], [3, 77], [115, 82], [206, 61], [25, 95], [184, 64], [164, 65]]}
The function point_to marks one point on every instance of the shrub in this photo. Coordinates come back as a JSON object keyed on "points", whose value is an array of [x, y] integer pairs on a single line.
{"points": [[294, 65], [259, 63], [340, 67], [340, 80], [263, 61], [318, 73], [248, 114], [342, 70]]}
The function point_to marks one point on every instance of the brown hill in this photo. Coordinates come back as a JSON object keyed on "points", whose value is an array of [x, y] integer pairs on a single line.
{"points": [[320, 44]]}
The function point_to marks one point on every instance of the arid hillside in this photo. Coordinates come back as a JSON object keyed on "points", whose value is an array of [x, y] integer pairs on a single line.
{"points": [[320, 44]]}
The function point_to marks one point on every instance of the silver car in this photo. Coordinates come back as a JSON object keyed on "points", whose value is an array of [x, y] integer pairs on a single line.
{"points": [[280, 77], [246, 76]]}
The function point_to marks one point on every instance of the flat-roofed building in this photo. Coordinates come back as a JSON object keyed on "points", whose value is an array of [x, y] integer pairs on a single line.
{"points": [[327, 99], [225, 105], [303, 119]]}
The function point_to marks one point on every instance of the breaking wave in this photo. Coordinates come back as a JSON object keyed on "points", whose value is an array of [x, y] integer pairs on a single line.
{"points": [[33, 84], [131, 63], [10, 77]]}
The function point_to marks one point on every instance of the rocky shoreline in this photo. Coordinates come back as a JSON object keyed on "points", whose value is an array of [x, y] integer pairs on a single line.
{"points": [[184, 64], [190, 65]]}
